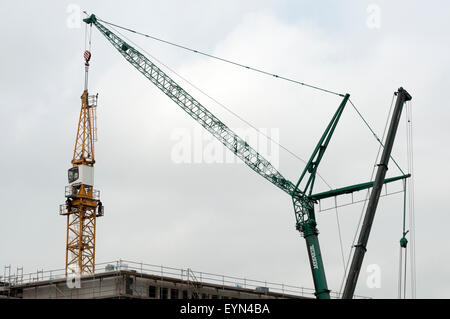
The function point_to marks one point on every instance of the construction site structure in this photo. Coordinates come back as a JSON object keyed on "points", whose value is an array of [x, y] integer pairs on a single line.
{"points": [[301, 193], [83, 205], [124, 279]]}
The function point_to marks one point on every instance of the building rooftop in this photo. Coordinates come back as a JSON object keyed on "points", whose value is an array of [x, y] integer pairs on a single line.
{"points": [[128, 279]]}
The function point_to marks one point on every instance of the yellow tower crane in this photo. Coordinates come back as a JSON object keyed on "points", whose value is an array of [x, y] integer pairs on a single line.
{"points": [[83, 205]]}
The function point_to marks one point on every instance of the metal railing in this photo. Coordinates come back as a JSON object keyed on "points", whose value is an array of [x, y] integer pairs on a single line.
{"points": [[163, 272], [64, 210], [92, 100], [72, 191]]}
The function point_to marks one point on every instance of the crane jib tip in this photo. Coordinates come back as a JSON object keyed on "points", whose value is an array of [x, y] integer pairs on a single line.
{"points": [[91, 19]]}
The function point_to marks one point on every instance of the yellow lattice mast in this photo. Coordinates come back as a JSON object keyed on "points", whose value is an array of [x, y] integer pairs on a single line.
{"points": [[83, 204]]}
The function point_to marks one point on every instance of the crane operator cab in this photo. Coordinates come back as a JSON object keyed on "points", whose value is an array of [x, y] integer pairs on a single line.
{"points": [[77, 176], [82, 174], [73, 174]]}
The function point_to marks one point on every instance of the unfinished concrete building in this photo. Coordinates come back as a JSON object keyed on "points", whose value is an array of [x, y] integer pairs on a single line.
{"points": [[126, 279]]}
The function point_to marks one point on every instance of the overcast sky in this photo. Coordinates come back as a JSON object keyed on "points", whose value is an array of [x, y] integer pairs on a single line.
{"points": [[222, 217]]}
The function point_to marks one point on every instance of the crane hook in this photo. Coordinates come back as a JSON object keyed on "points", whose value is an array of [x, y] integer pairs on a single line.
{"points": [[87, 57]]}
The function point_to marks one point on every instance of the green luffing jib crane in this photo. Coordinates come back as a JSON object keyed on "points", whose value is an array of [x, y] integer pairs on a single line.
{"points": [[302, 197]]}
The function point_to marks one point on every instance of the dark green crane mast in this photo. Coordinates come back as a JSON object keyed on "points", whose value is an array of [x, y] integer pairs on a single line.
{"points": [[302, 197], [361, 246]]}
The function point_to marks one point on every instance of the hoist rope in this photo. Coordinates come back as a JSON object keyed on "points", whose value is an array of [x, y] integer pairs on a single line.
{"points": [[405, 274], [90, 37], [339, 234], [223, 59], [402, 275], [85, 36], [404, 208], [220, 104], [411, 198]]}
